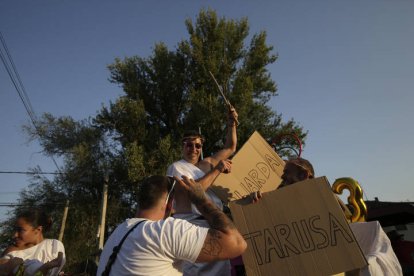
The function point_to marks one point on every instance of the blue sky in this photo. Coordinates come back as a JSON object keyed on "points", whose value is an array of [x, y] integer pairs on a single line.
{"points": [[344, 72]]}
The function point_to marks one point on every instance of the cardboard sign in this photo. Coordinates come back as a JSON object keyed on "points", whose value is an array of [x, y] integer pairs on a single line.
{"points": [[256, 166], [297, 230]]}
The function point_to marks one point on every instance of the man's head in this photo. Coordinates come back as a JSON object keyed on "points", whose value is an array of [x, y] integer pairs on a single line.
{"points": [[153, 192], [192, 146], [296, 170]]}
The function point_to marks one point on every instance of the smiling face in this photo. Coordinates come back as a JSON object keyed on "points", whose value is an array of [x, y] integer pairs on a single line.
{"points": [[26, 234], [192, 148]]}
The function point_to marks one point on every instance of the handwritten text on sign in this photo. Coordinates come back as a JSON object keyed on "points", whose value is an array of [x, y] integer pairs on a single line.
{"points": [[298, 237], [256, 166]]}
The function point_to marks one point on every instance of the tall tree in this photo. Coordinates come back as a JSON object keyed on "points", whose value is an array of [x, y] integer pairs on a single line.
{"points": [[177, 93], [139, 134]]}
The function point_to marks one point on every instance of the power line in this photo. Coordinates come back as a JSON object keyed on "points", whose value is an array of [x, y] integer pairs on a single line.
{"points": [[14, 172], [13, 74], [18, 84], [26, 97], [10, 204]]}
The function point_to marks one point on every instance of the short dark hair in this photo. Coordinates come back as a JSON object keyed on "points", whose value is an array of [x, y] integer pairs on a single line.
{"points": [[36, 217], [151, 189], [192, 134], [302, 162]]}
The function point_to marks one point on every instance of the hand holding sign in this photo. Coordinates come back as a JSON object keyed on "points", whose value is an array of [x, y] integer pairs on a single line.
{"points": [[224, 166]]}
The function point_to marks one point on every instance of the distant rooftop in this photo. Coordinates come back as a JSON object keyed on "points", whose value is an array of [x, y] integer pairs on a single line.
{"points": [[390, 213]]}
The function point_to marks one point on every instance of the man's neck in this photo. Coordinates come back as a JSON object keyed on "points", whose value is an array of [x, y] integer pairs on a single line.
{"points": [[149, 214], [194, 162]]}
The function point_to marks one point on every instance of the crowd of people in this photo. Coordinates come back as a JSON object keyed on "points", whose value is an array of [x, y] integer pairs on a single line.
{"points": [[197, 239]]}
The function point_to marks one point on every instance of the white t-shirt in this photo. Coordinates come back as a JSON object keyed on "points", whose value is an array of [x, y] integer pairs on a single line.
{"points": [[154, 247], [34, 257], [217, 268], [377, 249], [183, 167]]}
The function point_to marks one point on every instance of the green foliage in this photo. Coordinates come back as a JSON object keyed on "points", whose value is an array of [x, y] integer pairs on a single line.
{"points": [[140, 133]]}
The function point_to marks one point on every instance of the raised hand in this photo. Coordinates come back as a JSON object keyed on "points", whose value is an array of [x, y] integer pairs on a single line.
{"points": [[232, 117], [194, 189]]}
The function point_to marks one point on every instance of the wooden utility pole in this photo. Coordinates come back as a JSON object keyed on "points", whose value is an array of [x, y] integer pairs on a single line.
{"points": [[202, 155], [103, 213], [62, 226]]}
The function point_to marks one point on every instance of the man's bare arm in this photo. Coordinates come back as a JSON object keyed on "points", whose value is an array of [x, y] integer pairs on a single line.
{"points": [[223, 240], [223, 166], [231, 140]]}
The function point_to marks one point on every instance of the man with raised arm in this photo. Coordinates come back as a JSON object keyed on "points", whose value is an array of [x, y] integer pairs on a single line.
{"points": [[159, 243], [204, 171]]}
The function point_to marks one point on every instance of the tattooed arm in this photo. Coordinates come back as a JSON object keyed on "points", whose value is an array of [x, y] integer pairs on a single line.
{"points": [[223, 240]]}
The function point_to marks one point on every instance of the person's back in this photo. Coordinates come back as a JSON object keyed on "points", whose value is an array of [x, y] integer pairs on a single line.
{"points": [[154, 247], [158, 244]]}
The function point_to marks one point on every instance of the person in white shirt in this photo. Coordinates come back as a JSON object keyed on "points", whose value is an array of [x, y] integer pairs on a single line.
{"points": [[371, 238], [31, 253], [377, 249], [159, 243], [205, 171]]}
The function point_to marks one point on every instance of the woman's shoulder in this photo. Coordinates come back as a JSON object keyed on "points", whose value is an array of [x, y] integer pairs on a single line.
{"points": [[15, 251], [48, 247], [10, 249], [53, 243]]}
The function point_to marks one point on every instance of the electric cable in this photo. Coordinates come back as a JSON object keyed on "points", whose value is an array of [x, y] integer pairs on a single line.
{"points": [[18, 84], [17, 172], [25, 96]]}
